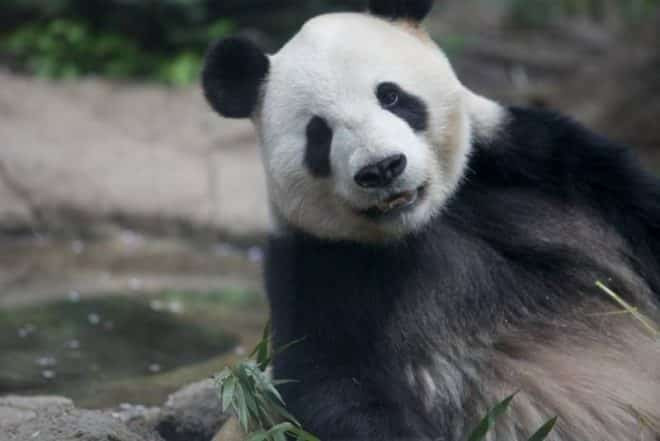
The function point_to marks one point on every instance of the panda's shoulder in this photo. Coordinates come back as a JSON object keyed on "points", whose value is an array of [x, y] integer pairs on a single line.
{"points": [[551, 151], [539, 156]]}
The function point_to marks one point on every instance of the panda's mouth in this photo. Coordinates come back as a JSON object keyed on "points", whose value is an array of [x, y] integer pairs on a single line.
{"points": [[396, 203]]}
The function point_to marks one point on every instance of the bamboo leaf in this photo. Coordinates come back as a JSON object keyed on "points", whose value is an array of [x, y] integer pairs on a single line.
{"points": [[260, 435], [253, 408], [254, 399], [281, 382], [243, 414], [274, 394], [288, 345], [265, 384], [266, 333], [302, 435], [502, 407], [285, 414], [228, 393], [256, 349], [263, 357], [262, 350], [283, 427], [544, 431], [488, 422], [279, 436]]}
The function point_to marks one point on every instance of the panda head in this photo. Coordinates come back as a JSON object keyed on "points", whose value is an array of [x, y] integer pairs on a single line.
{"points": [[364, 127]]}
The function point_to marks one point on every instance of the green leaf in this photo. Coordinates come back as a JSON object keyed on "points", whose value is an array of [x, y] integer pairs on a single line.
{"points": [[544, 431], [285, 414], [283, 427], [488, 422], [278, 432], [253, 397], [302, 435], [228, 393], [279, 436], [281, 382], [255, 410], [266, 332], [287, 346], [263, 357], [255, 351], [502, 407], [260, 435], [262, 350], [274, 393], [265, 384], [243, 414]]}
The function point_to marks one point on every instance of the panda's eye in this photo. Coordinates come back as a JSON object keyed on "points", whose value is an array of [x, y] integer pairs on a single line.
{"points": [[388, 95], [405, 105]]}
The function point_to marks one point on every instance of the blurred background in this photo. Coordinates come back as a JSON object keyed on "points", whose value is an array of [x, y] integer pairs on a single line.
{"points": [[132, 218]]}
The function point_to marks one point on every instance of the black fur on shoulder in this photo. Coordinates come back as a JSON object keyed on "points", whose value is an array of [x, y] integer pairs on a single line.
{"points": [[558, 158], [519, 246], [415, 10], [233, 73]]}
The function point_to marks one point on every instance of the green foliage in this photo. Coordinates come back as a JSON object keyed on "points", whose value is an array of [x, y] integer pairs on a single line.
{"points": [[248, 391], [488, 423], [156, 40], [545, 430], [67, 49], [63, 48]]}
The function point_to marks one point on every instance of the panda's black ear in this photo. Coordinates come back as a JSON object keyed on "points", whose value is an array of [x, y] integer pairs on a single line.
{"points": [[415, 10], [233, 73]]}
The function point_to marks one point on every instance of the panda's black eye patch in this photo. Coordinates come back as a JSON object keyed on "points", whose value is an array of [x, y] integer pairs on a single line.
{"points": [[404, 105], [317, 152]]}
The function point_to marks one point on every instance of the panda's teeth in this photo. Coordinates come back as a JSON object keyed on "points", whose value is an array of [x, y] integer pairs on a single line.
{"points": [[397, 201]]}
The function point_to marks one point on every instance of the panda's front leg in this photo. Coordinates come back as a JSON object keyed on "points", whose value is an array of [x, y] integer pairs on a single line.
{"points": [[352, 410]]}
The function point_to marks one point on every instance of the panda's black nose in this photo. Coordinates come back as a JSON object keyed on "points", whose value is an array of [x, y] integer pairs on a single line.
{"points": [[383, 173]]}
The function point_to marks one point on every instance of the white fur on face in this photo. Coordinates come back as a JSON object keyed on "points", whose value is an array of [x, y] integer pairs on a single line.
{"points": [[331, 69]]}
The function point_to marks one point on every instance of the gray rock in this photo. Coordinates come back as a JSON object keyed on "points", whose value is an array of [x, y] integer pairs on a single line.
{"points": [[56, 419], [192, 414], [140, 419], [15, 410]]}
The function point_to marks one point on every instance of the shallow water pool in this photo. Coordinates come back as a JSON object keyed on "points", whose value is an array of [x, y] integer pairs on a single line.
{"points": [[107, 350]]}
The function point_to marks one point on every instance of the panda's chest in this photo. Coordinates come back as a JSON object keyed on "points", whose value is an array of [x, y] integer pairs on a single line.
{"points": [[364, 301]]}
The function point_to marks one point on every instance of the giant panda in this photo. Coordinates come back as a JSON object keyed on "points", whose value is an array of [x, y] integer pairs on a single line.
{"points": [[436, 251]]}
